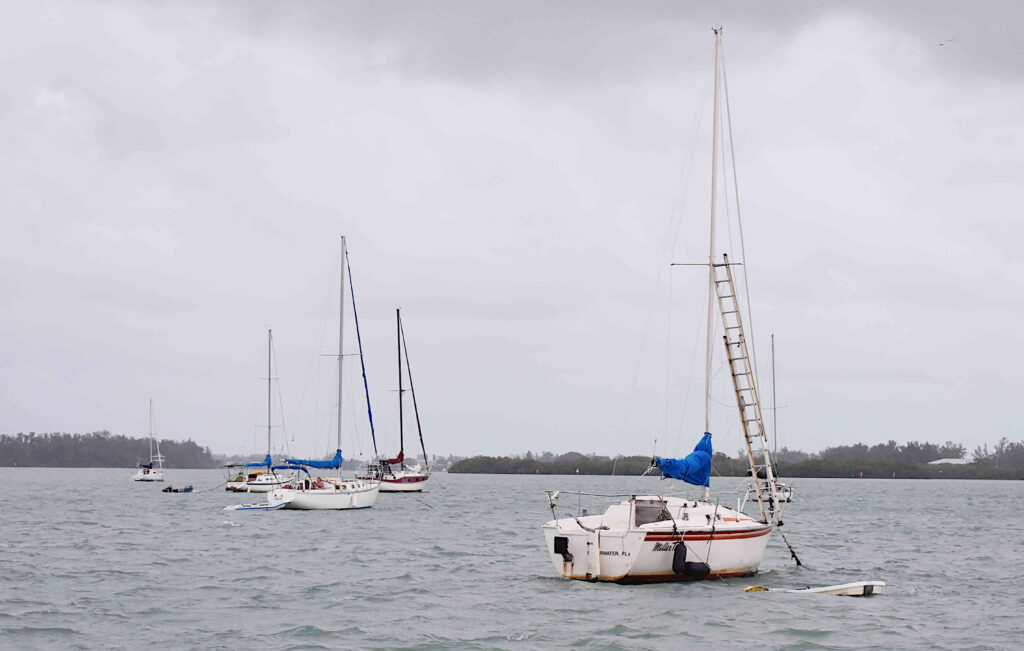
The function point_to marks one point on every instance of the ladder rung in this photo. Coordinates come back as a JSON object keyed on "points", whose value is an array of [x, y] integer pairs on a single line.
{"points": [[724, 312], [722, 298]]}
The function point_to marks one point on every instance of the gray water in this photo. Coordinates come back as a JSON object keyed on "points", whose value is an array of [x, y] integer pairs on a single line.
{"points": [[91, 559]]}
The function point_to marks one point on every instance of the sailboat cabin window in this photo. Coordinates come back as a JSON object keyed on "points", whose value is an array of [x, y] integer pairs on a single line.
{"points": [[648, 511]]}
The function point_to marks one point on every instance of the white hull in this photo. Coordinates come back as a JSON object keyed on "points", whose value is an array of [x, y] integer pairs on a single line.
{"points": [[858, 589], [257, 482], [404, 481], [717, 541], [151, 475], [399, 487], [335, 495]]}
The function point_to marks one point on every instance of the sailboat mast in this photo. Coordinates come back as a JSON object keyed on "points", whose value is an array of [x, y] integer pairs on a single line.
{"points": [[711, 238], [151, 432], [412, 390], [775, 415], [341, 334], [270, 346], [401, 420]]}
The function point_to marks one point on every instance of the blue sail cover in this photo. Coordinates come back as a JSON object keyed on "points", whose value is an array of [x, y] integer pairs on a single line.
{"points": [[694, 468], [259, 464], [289, 466], [312, 463]]}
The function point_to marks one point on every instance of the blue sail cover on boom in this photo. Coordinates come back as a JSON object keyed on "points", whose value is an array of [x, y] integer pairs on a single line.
{"points": [[312, 463], [259, 464], [694, 468]]}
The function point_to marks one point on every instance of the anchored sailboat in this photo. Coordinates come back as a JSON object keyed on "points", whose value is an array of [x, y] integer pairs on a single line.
{"points": [[146, 471], [259, 476], [655, 538], [404, 479], [783, 492], [320, 493]]}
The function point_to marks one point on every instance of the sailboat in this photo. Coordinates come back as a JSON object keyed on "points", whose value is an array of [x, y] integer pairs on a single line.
{"points": [[658, 538], [314, 493], [404, 479], [259, 476], [784, 492], [146, 471]]}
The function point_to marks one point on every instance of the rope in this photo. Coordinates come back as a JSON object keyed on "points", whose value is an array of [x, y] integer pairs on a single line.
{"points": [[792, 552], [422, 502], [206, 490]]}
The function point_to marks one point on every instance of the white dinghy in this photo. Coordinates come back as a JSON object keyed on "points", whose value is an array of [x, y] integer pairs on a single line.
{"points": [[856, 589], [655, 538]]}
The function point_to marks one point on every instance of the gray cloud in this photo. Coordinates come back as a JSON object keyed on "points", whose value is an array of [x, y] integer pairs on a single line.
{"points": [[517, 177]]}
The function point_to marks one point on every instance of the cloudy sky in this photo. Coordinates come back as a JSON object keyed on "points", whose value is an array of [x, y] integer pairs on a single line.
{"points": [[518, 177]]}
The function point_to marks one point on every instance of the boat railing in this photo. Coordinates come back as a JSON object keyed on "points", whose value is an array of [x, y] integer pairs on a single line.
{"points": [[587, 501]]}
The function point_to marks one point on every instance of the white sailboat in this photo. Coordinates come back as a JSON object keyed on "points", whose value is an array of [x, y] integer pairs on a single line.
{"points": [[311, 493], [403, 479], [259, 476], [656, 538], [146, 471], [784, 492]]}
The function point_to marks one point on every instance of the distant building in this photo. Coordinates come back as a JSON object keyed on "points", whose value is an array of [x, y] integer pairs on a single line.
{"points": [[954, 462]]}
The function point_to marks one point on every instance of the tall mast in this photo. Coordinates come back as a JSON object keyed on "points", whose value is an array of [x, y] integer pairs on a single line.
{"points": [[401, 420], [270, 346], [412, 390], [775, 415], [711, 244], [341, 334], [151, 431]]}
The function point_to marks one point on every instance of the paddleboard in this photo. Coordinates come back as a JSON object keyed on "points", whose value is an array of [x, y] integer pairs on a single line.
{"points": [[857, 589]]}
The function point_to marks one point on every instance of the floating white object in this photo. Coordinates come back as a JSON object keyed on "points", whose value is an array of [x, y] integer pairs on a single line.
{"points": [[259, 506], [857, 589]]}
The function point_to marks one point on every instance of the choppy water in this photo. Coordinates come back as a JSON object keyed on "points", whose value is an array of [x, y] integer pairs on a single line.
{"points": [[89, 558]]}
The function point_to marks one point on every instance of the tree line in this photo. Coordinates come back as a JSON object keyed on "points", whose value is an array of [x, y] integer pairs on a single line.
{"points": [[97, 450], [885, 460]]}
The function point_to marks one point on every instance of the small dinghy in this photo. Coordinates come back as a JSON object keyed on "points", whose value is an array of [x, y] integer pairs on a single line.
{"points": [[172, 489], [259, 506], [857, 589]]}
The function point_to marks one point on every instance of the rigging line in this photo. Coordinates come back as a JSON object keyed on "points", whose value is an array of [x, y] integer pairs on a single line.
{"points": [[739, 222], [280, 399], [668, 356], [312, 370], [362, 361], [698, 336], [675, 227], [412, 390]]}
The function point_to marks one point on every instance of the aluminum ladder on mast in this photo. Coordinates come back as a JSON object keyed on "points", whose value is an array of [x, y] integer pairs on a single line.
{"points": [[743, 382]]}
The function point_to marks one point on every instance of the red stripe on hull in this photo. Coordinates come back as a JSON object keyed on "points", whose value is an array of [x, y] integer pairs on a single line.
{"points": [[703, 536], [405, 480]]}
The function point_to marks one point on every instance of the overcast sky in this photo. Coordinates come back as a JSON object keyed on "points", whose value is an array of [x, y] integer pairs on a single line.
{"points": [[174, 179]]}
